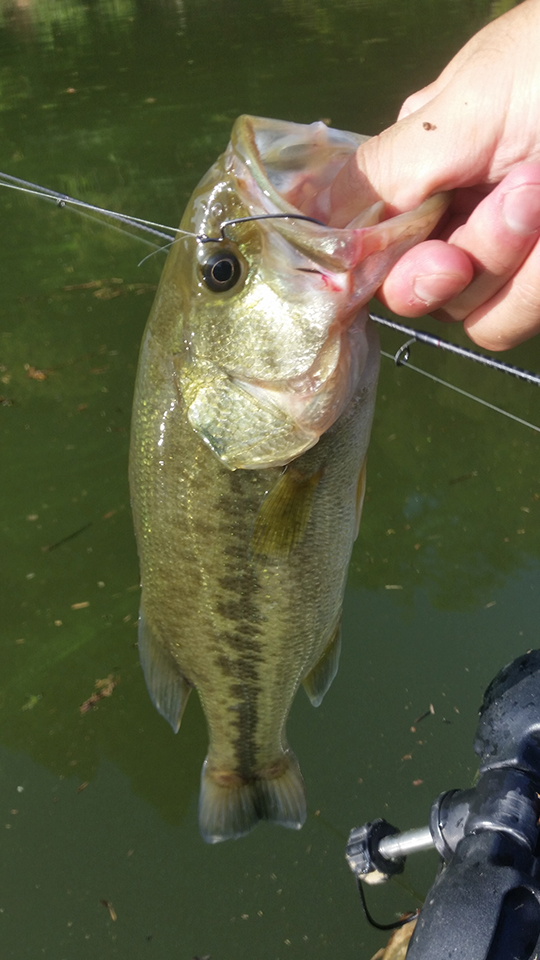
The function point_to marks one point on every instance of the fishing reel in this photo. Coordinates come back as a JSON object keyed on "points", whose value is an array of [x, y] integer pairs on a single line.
{"points": [[485, 902]]}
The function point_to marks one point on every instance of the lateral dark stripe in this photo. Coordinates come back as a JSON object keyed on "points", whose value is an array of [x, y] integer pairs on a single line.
{"points": [[241, 651]]}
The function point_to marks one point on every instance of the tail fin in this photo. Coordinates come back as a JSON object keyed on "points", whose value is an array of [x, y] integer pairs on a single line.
{"points": [[230, 810]]}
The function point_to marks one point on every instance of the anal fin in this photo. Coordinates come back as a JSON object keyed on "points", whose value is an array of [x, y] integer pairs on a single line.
{"points": [[320, 677], [229, 807], [284, 513], [167, 686]]}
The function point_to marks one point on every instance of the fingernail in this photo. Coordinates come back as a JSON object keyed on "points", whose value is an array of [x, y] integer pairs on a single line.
{"points": [[436, 287], [521, 209]]}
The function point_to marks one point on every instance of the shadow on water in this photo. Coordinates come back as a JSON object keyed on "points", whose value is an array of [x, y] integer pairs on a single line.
{"points": [[126, 104]]}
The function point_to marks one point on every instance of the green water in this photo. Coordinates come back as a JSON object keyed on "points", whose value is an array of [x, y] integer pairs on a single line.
{"points": [[126, 104]]}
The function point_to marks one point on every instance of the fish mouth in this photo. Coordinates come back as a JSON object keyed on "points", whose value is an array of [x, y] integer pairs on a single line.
{"points": [[268, 398]]}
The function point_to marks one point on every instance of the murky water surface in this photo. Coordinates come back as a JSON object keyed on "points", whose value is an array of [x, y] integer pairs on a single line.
{"points": [[126, 104]]}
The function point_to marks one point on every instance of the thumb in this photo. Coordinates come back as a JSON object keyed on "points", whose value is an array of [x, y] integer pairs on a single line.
{"points": [[447, 143], [468, 128]]}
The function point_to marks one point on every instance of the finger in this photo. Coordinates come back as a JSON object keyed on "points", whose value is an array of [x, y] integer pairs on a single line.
{"points": [[418, 100], [498, 236], [425, 278], [513, 314], [473, 124], [439, 147]]}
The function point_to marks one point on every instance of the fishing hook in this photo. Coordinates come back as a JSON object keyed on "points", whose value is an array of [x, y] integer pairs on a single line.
{"points": [[402, 356], [261, 216]]}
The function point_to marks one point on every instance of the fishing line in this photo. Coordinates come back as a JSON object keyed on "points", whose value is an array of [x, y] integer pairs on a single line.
{"points": [[88, 216], [159, 249], [382, 926], [464, 393], [401, 357], [203, 238], [62, 200], [420, 336]]}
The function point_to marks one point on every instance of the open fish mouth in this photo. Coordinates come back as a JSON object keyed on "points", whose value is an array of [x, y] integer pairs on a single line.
{"points": [[277, 339]]}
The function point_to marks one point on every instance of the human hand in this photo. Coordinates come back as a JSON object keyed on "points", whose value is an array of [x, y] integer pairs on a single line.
{"points": [[475, 130]]}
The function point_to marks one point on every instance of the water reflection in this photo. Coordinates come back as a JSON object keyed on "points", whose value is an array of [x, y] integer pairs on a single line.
{"points": [[46, 19]]}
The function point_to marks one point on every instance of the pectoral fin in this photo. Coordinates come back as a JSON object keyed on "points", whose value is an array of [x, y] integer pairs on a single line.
{"points": [[320, 677], [168, 688], [360, 494], [284, 514]]}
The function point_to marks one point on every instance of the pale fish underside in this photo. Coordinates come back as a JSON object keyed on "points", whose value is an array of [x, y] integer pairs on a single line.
{"points": [[252, 414]]}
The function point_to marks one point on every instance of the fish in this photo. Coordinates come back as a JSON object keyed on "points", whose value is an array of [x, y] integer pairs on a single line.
{"points": [[252, 413]]}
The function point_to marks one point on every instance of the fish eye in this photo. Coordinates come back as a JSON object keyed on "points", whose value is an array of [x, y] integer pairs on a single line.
{"points": [[221, 271]]}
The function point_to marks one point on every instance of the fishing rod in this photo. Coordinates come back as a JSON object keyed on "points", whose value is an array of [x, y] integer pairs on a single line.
{"points": [[401, 356], [485, 901], [420, 336]]}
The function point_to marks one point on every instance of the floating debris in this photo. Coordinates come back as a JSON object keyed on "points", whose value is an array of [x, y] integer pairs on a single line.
{"points": [[464, 476], [397, 946], [32, 700], [109, 289], [426, 714], [110, 908], [70, 536], [34, 374], [104, 688]]}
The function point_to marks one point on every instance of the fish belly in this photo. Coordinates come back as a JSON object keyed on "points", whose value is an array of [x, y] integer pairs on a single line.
{"points": [[245, 624]]}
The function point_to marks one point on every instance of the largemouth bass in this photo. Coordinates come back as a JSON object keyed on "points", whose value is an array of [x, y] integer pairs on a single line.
{"points": [[251, 422]]}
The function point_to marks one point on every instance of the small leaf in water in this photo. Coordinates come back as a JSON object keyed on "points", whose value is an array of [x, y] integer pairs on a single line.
{"points": [[33, 373], [31, 702], [104, 688]]}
